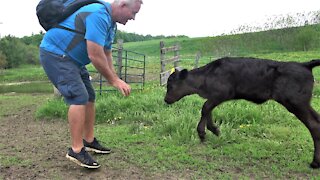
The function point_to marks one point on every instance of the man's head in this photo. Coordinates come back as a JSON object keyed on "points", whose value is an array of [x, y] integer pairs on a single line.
{"points": [[125, 10]]}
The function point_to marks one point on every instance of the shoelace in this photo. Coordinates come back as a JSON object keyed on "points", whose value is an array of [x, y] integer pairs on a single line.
{"points": [[85, 156]]}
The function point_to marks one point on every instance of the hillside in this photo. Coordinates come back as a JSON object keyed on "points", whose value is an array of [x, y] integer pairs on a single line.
{"points": [[304, 38]]}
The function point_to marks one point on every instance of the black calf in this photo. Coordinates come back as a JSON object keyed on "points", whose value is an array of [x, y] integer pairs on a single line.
{"points": [[256, 80]]}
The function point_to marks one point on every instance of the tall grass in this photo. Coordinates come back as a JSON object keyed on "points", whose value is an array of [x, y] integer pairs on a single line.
{"points": [[146, 110]]}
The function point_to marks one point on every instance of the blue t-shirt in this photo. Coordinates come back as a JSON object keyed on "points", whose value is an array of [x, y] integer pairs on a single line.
{"points": [[95, 20]]}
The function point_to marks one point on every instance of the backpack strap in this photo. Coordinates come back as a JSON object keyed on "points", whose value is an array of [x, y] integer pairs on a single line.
{"points": [[74, 30], [69, 29]]}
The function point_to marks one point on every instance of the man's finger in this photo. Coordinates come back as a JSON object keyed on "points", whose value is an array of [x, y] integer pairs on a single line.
{"points": [[126, 92], [122, 91]]}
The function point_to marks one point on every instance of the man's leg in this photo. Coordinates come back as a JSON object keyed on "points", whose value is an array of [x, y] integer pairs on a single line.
{"points": [[76, 117], [90, 142], [77, 152], [89, 122], [65, 75]]}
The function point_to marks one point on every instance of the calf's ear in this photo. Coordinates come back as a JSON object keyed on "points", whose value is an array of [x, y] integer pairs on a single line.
{"points": [[183, 74]]}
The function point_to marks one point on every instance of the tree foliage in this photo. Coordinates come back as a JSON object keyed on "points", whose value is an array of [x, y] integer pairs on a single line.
{"points": [[3, 60], [132, 37], [35, 39], [14, 50]]}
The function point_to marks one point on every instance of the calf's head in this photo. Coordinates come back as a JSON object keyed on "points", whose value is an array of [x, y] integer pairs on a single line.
{"points": [[177, 86]]}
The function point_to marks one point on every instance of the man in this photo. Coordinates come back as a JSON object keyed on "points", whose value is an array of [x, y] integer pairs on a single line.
{"points": [[64, 54]]}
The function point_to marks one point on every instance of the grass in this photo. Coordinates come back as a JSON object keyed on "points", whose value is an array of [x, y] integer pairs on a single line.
{"points": [[263, 141], [26, 79], [7, 161], [24, 73], [256, 142], [14, 101], [243, 154], [281, 40], [32, 87]]}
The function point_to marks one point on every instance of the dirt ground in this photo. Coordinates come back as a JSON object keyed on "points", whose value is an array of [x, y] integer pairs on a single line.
{"points": [[37, 149]]}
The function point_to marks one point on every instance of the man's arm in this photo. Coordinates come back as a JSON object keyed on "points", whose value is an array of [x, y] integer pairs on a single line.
{"points": [[102, 61], [108, 54]]}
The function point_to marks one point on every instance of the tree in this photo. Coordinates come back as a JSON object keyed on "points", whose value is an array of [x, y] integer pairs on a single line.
{"points": [[3, 60], [31, 54], [35, 39], [14, 50]]}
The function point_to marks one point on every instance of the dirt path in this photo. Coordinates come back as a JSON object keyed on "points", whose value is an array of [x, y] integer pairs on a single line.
{"points": [[36, 150]]}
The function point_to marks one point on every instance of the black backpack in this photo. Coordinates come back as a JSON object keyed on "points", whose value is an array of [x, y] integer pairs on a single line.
{"points": [[51, 12]]}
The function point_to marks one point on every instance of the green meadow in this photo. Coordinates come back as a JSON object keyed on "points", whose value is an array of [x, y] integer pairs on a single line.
{"points": [[256, 141]]}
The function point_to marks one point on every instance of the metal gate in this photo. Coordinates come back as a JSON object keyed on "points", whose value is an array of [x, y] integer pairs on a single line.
{"points": [[130, 67]]}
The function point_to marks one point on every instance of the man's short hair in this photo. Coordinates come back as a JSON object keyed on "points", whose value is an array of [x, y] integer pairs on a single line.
{"points": [[129, 2]]}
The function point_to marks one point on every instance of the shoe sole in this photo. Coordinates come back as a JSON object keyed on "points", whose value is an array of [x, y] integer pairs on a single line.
{"points": [[97, 151], [79, 163]]}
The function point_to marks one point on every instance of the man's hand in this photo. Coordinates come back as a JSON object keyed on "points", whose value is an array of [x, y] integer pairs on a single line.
{"points": [[122, 86]]}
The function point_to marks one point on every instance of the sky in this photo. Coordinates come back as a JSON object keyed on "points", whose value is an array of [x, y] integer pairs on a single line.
{"points": [[193, 18]]}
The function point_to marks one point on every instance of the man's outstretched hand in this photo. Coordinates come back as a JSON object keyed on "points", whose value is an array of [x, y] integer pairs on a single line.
{"points": [[122, 86]]}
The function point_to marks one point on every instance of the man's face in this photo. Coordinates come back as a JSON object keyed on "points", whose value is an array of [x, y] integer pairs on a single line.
{"points": [[129, 12]]}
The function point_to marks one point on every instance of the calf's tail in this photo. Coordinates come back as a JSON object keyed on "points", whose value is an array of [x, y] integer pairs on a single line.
{"points": [[311, 64]]}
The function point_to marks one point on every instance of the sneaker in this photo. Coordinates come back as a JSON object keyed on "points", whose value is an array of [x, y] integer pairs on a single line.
{"points": [[96, 147], [82, 158]]}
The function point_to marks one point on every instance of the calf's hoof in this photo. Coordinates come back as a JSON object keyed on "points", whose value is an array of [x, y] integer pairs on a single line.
{"points": [[216, 132], [315, 165], [202, 136]]}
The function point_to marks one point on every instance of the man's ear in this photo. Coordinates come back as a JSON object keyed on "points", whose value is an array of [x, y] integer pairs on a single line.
{"points": [[183, 74], [123, 4]]}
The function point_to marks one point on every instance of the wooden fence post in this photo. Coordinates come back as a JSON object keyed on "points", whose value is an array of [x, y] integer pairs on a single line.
{"points": [[164, 74], [163, 65], [176, 54], [196, 63], [119, 60]]}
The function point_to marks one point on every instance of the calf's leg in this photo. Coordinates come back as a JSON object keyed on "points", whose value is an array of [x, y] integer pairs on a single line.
{"points": [[310, 118], [314, 128], [206, 119]]}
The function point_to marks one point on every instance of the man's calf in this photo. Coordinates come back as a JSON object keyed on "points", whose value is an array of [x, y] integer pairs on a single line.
{"points": [[256, 80]]}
